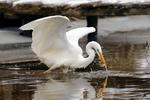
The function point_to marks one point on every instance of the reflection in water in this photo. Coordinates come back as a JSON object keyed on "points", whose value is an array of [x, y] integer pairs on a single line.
{"points": [[102, 89], [16, 85], [72, 89], [128, 79]]}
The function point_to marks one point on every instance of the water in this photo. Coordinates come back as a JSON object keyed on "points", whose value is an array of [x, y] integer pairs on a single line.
{"points": [[127, 78]]}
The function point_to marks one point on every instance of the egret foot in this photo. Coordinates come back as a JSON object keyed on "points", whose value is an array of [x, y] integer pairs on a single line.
{"points": [[49, 70]]}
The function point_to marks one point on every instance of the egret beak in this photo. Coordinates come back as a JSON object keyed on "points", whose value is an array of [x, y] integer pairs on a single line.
{"points": [[102, 58]]}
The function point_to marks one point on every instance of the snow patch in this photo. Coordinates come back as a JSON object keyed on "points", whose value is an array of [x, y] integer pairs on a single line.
{"points": [[73, 2], [55, 2]]}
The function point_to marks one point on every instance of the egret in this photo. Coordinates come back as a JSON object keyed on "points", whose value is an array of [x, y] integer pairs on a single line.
{"points": [[57, 47]]}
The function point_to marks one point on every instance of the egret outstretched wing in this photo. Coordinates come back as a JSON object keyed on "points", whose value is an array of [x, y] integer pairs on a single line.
{"points": [[49, 34], [31, 25], [75, 34]]}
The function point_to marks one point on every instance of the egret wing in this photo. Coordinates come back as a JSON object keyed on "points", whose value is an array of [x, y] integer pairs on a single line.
{"points": [[75, 34], [49, 34], [31, 25]]}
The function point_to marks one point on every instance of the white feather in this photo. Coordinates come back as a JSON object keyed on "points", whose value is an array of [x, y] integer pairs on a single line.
{"points": [[56, 47], [75, 34]]}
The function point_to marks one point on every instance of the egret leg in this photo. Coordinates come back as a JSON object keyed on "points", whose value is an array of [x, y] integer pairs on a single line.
{"points": [[49, 70], [65, 70], [91, 69]]}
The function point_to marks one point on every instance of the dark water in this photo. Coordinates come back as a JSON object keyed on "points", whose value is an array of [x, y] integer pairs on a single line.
{"points": [[126, 79]]}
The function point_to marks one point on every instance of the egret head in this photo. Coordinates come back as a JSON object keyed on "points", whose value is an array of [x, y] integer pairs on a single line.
{"points": [[98, 50]]}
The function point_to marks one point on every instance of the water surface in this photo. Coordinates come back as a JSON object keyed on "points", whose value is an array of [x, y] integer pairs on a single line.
{"points": [[126, 79]]}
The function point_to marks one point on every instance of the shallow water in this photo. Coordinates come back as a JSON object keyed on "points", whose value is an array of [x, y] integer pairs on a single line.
{"points": [[127, 78]]}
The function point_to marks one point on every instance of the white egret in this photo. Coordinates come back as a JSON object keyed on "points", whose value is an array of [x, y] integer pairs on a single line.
{"points": [[55, 47]]}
